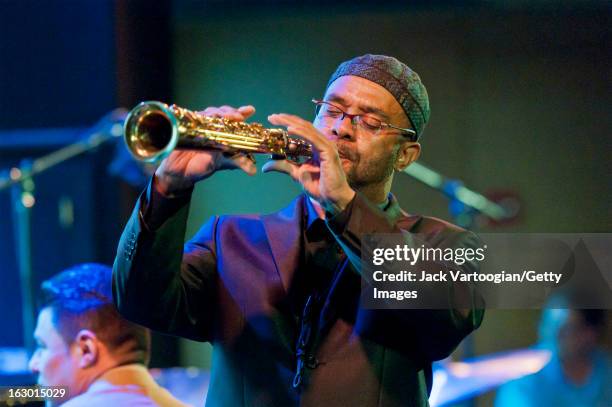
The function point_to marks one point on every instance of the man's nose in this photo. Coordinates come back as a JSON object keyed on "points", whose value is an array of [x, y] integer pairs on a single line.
{"points": [[343, 128]]}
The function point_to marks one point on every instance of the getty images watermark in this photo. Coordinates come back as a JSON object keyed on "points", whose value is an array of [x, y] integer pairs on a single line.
{"points": [[505, 270]]}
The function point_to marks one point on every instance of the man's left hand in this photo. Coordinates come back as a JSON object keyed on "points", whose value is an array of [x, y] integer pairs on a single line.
{"points": [[321, 177]]}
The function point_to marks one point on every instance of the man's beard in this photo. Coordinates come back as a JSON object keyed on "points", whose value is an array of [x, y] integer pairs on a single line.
{"points": [[368, 174]]}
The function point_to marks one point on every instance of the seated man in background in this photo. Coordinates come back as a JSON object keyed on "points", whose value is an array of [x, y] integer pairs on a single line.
{"points": [[84, 345], [579, 372]]}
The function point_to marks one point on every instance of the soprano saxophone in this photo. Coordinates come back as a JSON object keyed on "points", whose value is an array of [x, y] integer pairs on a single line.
{"points": [[152, 130]]}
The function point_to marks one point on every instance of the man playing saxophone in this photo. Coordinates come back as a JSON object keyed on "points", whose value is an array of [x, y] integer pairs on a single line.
{"points": [[278, 295]]}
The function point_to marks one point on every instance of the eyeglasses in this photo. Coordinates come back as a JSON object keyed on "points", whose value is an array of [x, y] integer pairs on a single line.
{"points": [[369, 124]]}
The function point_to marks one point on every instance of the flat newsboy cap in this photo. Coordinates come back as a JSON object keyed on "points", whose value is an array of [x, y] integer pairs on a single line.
{"points": [[402, 82]]}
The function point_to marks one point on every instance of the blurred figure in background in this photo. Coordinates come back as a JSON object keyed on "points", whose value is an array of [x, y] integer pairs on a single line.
{"points": [[579, 372], [83, 344]]}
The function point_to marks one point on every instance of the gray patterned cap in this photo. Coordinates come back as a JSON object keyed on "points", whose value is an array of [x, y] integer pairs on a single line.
{"points": [[402, 82]]}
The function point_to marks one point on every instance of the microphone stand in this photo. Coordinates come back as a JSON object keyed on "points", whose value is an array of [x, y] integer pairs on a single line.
{"points": [[21, 182], [464, 202]]}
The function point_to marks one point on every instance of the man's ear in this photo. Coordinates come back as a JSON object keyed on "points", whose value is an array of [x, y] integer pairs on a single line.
{"points": [[409, 152], [87, 348]]}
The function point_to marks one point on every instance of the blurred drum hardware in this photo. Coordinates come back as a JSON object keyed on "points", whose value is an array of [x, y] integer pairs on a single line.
{"points": [[454, 382]]}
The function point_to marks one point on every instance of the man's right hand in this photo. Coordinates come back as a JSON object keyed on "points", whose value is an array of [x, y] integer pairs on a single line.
{"points": [[182, 169]]}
